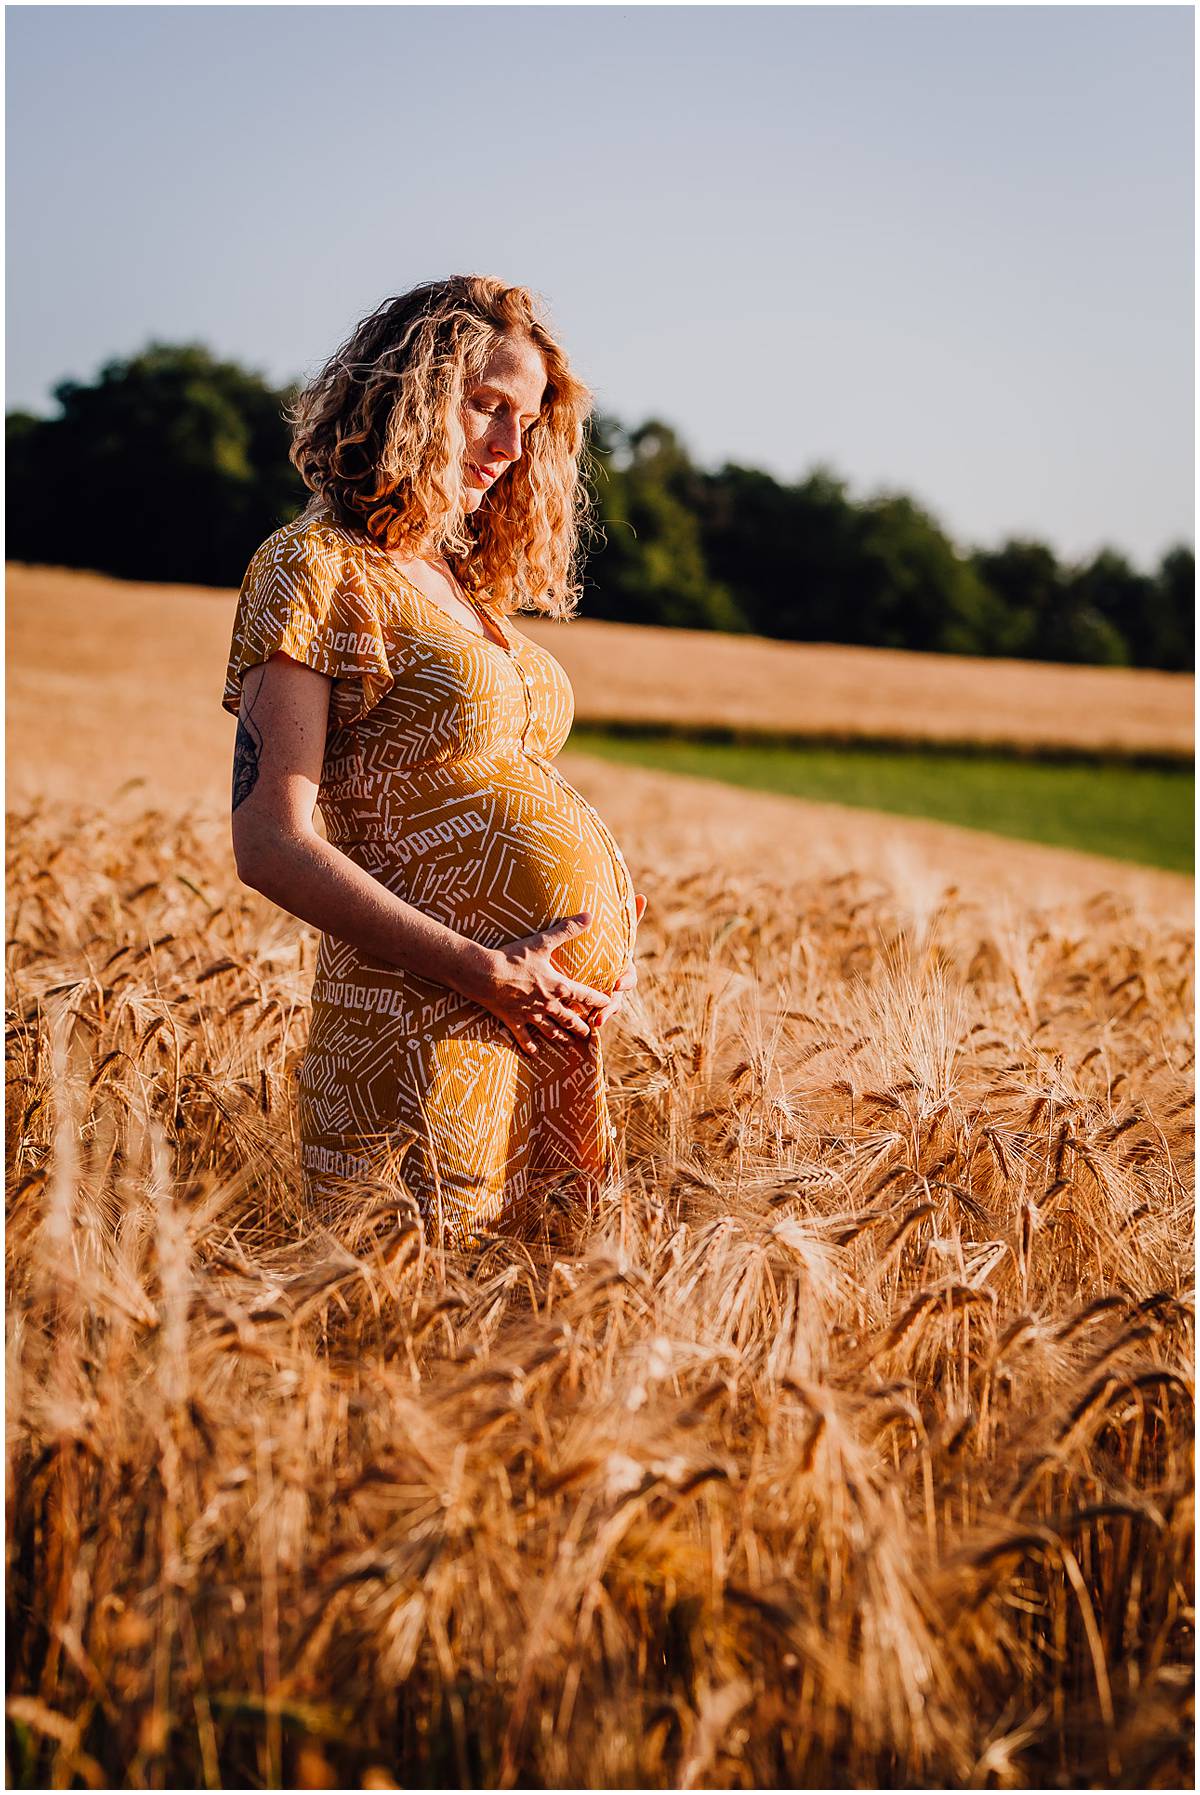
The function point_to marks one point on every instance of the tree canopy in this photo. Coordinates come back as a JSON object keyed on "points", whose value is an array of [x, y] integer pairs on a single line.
{"points": [[172, 465]]}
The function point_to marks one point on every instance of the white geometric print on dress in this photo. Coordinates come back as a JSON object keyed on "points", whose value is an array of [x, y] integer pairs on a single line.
{"points": [[437, 779]]}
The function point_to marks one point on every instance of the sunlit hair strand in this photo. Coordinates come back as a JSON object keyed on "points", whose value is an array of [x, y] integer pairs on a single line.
{"points": [[377, 437]]}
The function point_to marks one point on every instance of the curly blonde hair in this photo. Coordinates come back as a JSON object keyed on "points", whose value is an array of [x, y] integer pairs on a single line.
{"points": [[377, 437]]}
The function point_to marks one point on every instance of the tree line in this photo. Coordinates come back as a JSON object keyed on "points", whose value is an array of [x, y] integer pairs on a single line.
{"points": [[172, 465]]}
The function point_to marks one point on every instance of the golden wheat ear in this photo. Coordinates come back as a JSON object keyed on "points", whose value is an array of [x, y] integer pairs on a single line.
{"points": [[844, 1439]]}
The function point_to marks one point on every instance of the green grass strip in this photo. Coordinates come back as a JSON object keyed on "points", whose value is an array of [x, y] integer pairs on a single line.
{"points": [[1128, 810]]}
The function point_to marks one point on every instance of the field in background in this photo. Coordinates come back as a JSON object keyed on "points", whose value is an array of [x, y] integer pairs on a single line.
{"points": [[114, 687], [1131, 812], [847, 1442], [76, 626], [693, 678]]}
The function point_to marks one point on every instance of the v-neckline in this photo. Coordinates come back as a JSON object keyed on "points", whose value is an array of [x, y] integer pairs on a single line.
{"points": [[506, 648]]}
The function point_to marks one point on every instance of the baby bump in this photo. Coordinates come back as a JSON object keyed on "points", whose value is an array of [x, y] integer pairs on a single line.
{"points": [[555, 857], [589, 874], [502, 856]]}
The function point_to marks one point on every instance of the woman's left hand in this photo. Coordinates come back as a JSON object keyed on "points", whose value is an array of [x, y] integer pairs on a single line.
{"points": [[628, 978]]}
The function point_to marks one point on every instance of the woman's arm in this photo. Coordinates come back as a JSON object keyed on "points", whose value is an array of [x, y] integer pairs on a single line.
{"points": [[276, 774]]}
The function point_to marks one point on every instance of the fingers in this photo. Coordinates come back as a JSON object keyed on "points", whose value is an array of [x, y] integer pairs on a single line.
{"points": [[554, 1021], [556, 1015], [563, 928], [586, 996], [558, 1023]]}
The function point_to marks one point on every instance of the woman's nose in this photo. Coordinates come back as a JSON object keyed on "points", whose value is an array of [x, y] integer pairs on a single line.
{"points": [[505, 440]]}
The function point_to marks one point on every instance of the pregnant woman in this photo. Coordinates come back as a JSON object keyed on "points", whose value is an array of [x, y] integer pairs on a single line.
{"points": [[477, 918]]}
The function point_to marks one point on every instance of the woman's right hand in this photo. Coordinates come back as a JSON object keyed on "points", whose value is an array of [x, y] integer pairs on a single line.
{"points": [[530, 995]]}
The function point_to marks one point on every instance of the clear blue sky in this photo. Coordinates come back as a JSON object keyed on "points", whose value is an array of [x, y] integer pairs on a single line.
{"points": [[944, 249]]}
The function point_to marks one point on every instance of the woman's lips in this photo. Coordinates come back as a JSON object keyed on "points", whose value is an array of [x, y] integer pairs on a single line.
{"points": [[484, 479]]}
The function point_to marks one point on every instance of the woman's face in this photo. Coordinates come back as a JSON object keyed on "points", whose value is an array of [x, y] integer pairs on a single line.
{"points": [[497, 409]]}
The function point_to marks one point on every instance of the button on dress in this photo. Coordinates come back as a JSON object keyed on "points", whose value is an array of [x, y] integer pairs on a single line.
{"points": [[438, 779]]}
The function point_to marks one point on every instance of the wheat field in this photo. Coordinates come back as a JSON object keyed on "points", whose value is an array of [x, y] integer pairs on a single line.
{"points": [[150, 644], [845, 1442]]}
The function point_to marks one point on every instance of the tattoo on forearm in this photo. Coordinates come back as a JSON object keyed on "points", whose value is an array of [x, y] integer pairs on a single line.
{"points": [[246, 750]]}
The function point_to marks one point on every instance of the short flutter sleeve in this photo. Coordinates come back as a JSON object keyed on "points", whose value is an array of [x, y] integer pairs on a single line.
{"points": [[306, 596]]}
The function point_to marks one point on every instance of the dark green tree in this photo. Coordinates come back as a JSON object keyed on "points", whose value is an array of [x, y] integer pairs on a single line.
{"points": [[911, 588], [172, 465], [784, 552], [1109, 602], [1025, 579], [1055, 613], [807, 564], [1169, 639], [649, 565]]}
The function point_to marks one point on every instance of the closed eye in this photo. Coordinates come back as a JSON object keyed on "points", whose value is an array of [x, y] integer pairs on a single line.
{"points": [[493, 410]]}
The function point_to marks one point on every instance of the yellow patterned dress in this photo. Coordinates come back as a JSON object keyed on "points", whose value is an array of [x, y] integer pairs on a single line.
{"points": [[438, 779]]}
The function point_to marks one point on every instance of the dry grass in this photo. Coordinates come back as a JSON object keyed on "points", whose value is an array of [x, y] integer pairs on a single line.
{"points": [[159, 653], [128, 715], [847, 1442], [629, 673]]}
